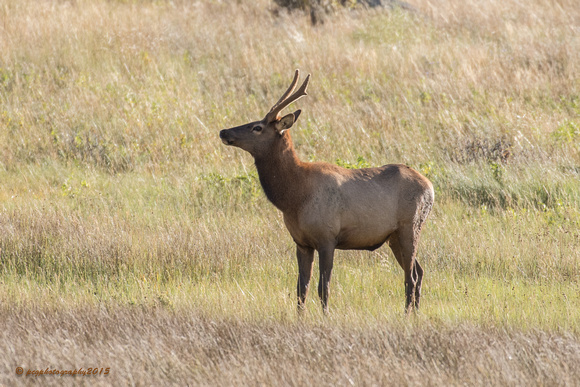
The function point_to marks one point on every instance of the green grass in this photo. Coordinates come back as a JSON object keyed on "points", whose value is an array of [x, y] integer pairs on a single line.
{"points": [[117, 196]]}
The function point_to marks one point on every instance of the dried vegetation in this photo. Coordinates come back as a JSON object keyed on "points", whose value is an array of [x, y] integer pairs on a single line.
{"points": [[152, 347], [130, 237]]}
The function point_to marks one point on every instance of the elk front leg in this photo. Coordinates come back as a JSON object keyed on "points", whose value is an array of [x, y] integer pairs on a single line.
{"points": [[326, 258], [305, 257]]}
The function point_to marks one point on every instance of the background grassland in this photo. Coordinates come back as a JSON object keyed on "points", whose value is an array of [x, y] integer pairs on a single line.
{"points": [[129, 235]]}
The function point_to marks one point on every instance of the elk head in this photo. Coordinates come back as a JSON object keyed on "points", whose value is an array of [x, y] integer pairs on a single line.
{"points": [[258, 136]]}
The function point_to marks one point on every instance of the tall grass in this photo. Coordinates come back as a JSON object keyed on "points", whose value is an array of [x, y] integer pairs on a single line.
{"points": [[117, 195]]}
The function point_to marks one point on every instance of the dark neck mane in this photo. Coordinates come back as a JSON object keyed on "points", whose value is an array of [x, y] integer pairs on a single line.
{"points": [[282, 175]]}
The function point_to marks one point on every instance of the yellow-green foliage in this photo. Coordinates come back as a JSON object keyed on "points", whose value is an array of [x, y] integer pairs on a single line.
{"points": [[117, 196]]}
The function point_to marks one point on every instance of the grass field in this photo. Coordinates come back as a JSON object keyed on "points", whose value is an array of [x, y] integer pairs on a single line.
{"points": [[131, 238]]}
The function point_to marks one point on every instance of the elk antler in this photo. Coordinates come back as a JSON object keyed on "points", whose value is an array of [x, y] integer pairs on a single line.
{"points": [[287, 99]]}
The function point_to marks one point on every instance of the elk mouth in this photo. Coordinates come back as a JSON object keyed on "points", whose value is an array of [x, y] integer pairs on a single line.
{"points": [[226, 139]]}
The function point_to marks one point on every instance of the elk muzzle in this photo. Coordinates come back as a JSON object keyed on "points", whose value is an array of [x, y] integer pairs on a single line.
{"points": [[227, 137]]}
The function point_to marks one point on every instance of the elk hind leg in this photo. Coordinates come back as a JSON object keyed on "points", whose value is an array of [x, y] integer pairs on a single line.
{"points": [[403, 243]]}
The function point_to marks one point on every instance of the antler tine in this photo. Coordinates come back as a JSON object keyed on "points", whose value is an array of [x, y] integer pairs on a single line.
{"points": [[287, 99], [290, 89]]}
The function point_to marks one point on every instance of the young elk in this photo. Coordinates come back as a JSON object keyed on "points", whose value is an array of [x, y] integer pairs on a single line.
{"points": [[327, 207]]}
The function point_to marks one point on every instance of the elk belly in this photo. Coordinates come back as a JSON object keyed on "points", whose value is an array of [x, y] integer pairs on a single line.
{"points": [[361, 239]]}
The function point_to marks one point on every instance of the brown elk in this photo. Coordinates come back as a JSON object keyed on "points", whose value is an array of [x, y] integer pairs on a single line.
{"points": [[327, 207]]}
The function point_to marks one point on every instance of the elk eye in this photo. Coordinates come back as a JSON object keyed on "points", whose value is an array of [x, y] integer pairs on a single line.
{"points": [[257, 128]]}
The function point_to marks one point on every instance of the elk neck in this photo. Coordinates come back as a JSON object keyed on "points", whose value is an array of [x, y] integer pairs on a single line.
{"points": [[282, 175]]}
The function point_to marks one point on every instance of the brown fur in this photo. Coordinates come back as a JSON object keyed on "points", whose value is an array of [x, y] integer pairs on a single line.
{"points": [[327, 207]]}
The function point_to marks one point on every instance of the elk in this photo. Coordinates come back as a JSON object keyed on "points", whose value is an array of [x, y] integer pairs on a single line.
{"points": [[327, 207]]}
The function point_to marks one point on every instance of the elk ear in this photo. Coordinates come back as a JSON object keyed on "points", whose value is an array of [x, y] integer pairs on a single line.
{"points": [[287, 121]]}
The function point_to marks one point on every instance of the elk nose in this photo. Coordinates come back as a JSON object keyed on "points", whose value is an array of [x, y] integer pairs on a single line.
{"points": [[224, 135]]}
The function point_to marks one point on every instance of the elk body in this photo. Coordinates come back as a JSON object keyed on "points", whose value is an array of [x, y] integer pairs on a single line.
{"points": [[327, 207]]}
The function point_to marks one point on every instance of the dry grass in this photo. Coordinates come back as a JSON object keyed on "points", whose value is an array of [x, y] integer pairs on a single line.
{"points": [[154, 346], [129, 235]]}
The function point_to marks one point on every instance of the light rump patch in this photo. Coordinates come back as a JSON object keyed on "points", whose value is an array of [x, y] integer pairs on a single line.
{"points": [[327, 207]]}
